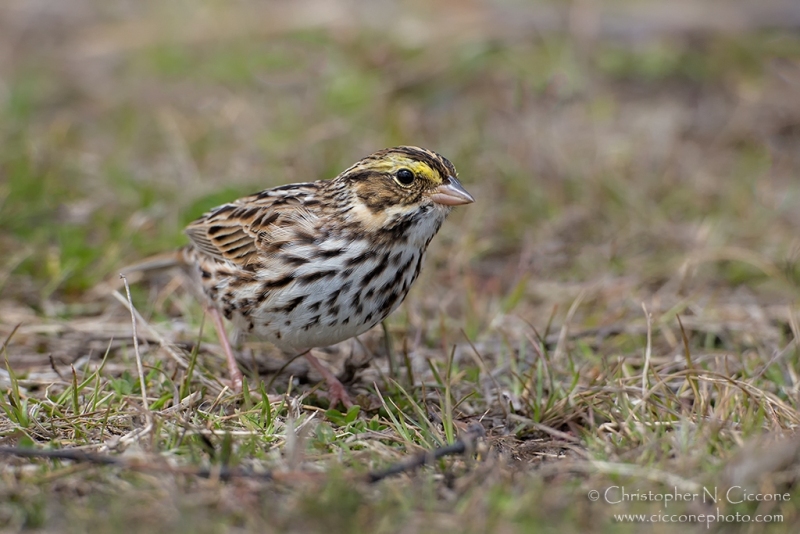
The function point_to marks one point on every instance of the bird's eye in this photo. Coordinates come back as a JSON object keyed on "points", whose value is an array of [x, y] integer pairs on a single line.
{"points": [[404, 177]]}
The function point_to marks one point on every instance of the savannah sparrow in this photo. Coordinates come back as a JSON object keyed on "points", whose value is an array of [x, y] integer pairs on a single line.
{"points": [[311, 264]]}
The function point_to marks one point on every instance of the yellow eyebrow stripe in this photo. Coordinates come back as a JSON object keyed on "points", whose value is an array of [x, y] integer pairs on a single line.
{"points": [[393, 163]]}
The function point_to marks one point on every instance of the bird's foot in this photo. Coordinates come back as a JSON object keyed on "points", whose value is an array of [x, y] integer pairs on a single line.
{"points": [[336, 391]]}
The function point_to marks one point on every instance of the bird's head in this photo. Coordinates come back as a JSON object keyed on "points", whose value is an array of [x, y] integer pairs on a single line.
{"points": [[398, 182]]}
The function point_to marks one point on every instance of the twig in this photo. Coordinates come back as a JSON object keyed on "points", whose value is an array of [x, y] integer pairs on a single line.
{"points": [[153, 332], [9, 336], [462, 445], [139, 367], [648, 350], [562, 337], [63, 454]]}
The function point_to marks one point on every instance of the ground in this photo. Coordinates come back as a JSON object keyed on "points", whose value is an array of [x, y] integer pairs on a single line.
{"points": [[610, 329]]}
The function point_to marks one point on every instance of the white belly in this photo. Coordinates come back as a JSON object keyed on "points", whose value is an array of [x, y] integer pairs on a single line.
{"points": [[334, 299]]}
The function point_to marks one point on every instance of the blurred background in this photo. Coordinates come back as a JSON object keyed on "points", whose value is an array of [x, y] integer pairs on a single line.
{"points": [[622, 154]]}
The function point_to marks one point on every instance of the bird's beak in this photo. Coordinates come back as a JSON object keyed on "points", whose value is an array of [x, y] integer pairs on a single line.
{"points": [[451, 193]]}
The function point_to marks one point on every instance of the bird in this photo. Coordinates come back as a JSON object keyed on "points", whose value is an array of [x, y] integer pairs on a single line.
{"points": [[308, 265]]}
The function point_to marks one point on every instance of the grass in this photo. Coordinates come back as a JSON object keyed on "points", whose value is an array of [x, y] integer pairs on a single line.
{"points": [[619, 308]]}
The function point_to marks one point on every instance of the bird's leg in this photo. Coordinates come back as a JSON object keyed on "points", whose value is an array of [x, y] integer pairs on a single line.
{"points": [[336, 391], [233, 367]]}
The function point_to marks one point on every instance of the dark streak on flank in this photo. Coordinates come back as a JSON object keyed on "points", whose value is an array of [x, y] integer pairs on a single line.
{"points": [[314, 320], [327, 254], [389, 285], [295, 261], [277, 283], [390, 301], [361, 258], [318, 275], [290, 306], [399, 274], [418, 268], [333, 298], [374, 273]]}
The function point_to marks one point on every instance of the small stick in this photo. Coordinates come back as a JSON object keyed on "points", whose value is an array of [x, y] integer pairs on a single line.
{"points": [[462, 445], [63, 454], [648, 351], [136, 343], [8, 340]]}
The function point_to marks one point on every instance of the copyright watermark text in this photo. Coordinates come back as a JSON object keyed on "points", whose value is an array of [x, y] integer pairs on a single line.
{"points": [[617, 495], [732, 495]]}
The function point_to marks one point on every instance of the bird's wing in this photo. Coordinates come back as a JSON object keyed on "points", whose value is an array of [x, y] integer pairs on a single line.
{"points": [[259, 224]]}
